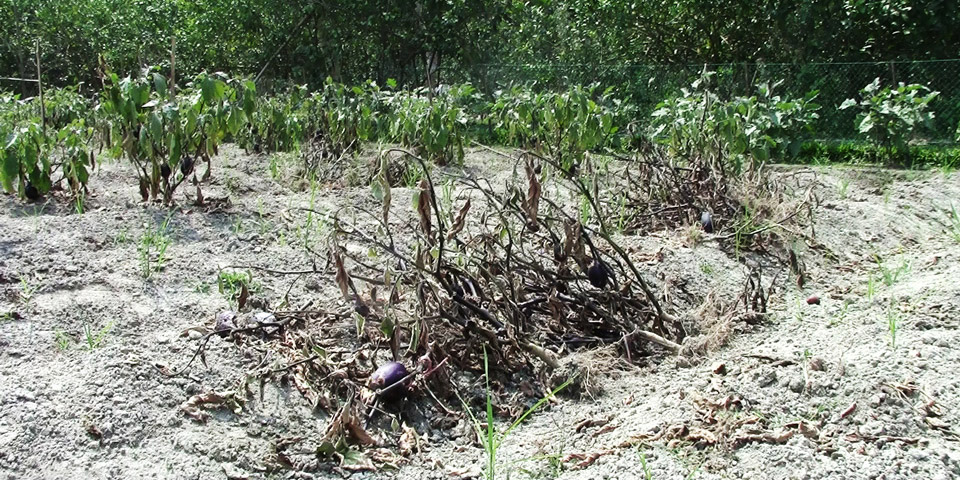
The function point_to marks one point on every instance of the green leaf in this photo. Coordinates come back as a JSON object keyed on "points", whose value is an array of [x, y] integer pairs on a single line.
{"points": [[10, 170], [387, 326], [156, 127], [359, 320], [160, 84]]}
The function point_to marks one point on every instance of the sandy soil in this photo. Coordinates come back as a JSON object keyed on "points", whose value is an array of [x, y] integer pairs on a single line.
{"points": [[816, 391]]}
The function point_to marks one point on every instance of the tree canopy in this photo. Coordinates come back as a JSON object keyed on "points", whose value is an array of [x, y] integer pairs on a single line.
{"points": [[306, 41]]}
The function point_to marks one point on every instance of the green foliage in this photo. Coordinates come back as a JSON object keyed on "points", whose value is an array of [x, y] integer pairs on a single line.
{"points": [[232, 284], [433, 125], [153, 248], [891, 116], [278, 123], [490, 437], [742, 130], [564, 125], [953, 228], [34, 151], [62, 340], [891, 275], [893, 321], [94, 338], [858, 153], [165, 134]]}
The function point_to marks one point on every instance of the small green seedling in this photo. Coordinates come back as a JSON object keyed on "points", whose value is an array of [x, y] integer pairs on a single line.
{"points": [[94, 339], [489, 437], [890, 275], [153, 248], [893, 319], [28, 288], [647, 473], [232, 285], [61, 340], [953, 229], [842, 187]]}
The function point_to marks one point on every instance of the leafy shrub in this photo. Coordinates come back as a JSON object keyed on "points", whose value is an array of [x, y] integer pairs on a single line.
{"points": [[891, 116], [278, 123], [564, 125], [435, 126], [165, 135], [751, 128], [33, 150]]}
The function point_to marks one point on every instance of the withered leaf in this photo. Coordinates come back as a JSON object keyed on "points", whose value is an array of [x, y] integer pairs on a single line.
{"points": [[423, 208], [192, 406], [531, 204], [342, 278], [385, 186], [144, 189], [242, 298], [460, 221]]}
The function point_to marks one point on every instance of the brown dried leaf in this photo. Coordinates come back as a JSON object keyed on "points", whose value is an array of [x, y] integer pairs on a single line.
{"points": [[531, 205], [460, 221], [342, 277], [585, 459], [423, 208], [192, 406], [385, 185], [409, 441], [242, 298], [776, 437]]}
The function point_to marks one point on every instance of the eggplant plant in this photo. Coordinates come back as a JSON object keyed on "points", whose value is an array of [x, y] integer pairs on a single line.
{"points": [[166, 135], [740, 133], [278, 123], [433, 125], [563, 125], [36, 155], [890, 116]]}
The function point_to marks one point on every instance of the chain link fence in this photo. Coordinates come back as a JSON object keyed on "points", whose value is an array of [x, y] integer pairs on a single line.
{"points": [[647, 85]]}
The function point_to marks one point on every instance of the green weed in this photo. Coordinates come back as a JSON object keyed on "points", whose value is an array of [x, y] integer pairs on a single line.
{"points": [[842, 187], [153, 248], [28, 288], [231, 284], [94, 338], [644, 467], [121, 238], [842, 315], [893, 320], [953, 229], [202, 287], [61, 340], [490, 438], [890, 275]]}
